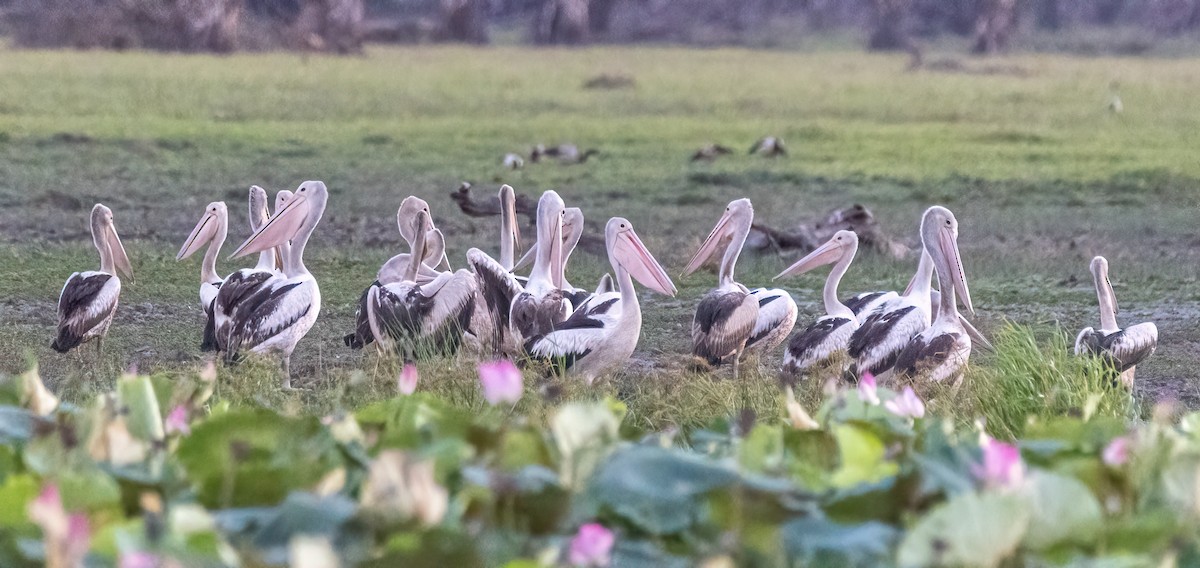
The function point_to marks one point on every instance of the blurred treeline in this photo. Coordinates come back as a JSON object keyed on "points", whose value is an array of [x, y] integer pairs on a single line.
{"points": [[985, 26]]}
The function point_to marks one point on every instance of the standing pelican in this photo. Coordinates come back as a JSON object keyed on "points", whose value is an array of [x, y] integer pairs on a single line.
{"points": [[277, 315], [542, 303], [395, 268], [88, 300], [823, 344], [243, 283], [602, 333], [1121, 348], [212, 229], [731, 319], [940, 352], [423, 319], [883, 333]]}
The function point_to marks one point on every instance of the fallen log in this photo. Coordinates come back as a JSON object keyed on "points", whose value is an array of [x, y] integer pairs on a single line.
{"points": [[808, 236], [490, 206]]}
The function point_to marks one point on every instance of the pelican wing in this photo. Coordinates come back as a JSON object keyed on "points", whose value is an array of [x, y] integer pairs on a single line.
{"points": [[497, 286], [532, 316], [821, 340], [236, 288], [776, 318], [722, 325], [877, 343], [579, 335], [924, 354], [1131, 345], [272, 308], [866, 303], [87, 300]]}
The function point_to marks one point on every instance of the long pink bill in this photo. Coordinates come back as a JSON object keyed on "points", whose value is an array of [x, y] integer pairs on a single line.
{"points": [[827, 253], [949, 246], [633, 256], [710, 246], [279, 229]]}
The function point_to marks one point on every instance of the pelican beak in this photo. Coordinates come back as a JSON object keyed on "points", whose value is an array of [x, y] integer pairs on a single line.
{"points": [[948, 243], [631, 253], [556, 259], [527, 259], [711, 245], [1112, 295], [976, 335], [203, 232], [827, 253], [279, 229], [120, 259]]}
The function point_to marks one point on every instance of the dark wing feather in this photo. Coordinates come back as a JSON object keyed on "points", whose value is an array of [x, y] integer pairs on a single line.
{"points": [[710, 339], [582, 318], [813, 336], [538, 317], [860, 301], [920, 356], [209, 341], [77, 296], [1126, 348], [237, 288], [250, 313], [362, 336], [874, 329], [577, 297]]}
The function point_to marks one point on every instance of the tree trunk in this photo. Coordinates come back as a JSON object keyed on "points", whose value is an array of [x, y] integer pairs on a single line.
{"points": [[890, 29], [464, 21], [600, 16], [996, 23], [562, 22]]}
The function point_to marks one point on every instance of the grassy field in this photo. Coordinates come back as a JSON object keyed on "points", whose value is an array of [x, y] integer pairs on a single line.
{"points": [[1040, 174]]}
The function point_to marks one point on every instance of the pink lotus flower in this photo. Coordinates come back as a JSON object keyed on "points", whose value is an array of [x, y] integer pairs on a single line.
{"points": [[177, 421], [867, 391], [139, 559], [592, 546], [66, 537], [407, 383], [907, 405], [1116, 453], [502, 382], [1002, 467]]}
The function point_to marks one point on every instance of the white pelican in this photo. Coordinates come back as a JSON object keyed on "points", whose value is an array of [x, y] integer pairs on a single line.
{"points": [[242, 283], [732, 319], [495, 286], [823, 344], [542, 303], [88, 300], [602, 333], [212, 229], [884, 332], [422, 319], [1122, 348], [940, 353], [396, 267], [572, 229], [769, 146], [281, 311]]}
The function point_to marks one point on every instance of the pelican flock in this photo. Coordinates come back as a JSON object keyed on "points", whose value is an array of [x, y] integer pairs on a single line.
{"points": [[418, 306]]}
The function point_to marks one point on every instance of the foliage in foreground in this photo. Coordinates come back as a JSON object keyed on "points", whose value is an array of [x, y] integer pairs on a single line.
{"points": [[155, 474]]}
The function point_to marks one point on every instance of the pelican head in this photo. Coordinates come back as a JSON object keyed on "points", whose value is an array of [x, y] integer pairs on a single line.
{"points": [[214, 223], [551, 211], [409, 208], [626, 250], [736, 220], [302, 211], [104, 236], [1099, 268], [939, 234], [843, 244]]}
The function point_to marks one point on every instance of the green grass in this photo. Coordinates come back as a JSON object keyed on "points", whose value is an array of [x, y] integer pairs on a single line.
{"points": [[1040, 174]]}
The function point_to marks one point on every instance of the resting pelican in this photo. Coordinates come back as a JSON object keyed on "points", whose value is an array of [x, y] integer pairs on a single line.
{"points": [[572, 228], [495, 286], [243, 283], [1122, 348], [542, 303], [281, 311], [423, 319], [212, 229], [88, 300], [565, 153], [823, 344], [710, 152], [940, 352], [884, 332], [769, 146], [396, 267], [602, 333], [732, 319]]}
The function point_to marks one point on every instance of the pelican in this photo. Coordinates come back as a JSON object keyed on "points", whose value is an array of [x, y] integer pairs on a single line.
{"points": [[602, 333], [88, 300], [243, 283], [769, 146], [940, 352], [395, 268], [884, 332], [212, 229], [281, 311], [542, 302], [513, 161], [572, 228], [565, 153], [495, 285], [710, 152], [422, 319], [1121, 348], [823, 344], [731, 319]]}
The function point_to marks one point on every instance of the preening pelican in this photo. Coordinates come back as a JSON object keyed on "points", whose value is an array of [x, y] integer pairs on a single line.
{"points": [[281, 311], [212, 229], [243, 283], [731, 319], [940, 353], [395, 269], [602, 333], [495, 285], [1121, 348], [823, 344], [542, 303], [422, 319], [88, 300]]}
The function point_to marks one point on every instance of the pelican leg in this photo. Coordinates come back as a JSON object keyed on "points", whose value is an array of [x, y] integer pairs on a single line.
{"points": [[287, 372], [737, 357]]}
